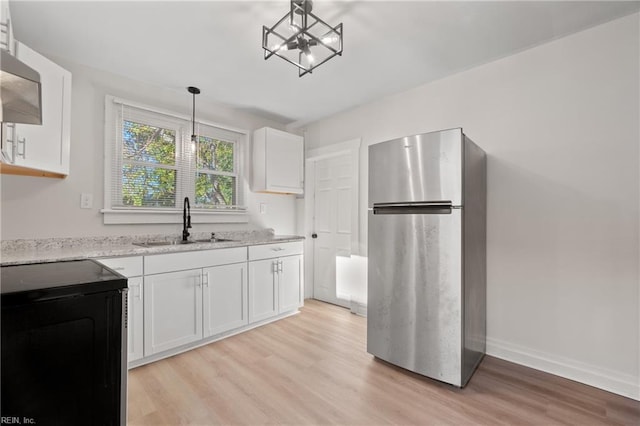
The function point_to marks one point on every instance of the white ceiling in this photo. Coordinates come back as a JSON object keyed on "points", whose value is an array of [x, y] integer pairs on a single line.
{"points": [[389, 46]]}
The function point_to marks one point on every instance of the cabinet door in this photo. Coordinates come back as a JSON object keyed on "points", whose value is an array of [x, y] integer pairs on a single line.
{"points": [[290, 283], [172, 310], [225, 298], [284, 157], [263, 289], [6, 35], [278, 161], [8, 143], [135, 320], [46, 147]]}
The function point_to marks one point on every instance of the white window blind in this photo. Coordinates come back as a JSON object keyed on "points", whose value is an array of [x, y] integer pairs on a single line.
{"points": [[217, 182], [154, 164]]}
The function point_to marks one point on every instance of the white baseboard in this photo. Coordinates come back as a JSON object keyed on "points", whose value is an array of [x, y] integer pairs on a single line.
{"points": [[611, 381], [358, 308]]}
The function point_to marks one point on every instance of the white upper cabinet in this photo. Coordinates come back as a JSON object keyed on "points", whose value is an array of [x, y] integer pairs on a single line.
{"points": [[278, 159], [6, 27], [44, 147]]}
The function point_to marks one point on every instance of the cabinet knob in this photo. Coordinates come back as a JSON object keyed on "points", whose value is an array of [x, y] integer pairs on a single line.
{"points": [[314, 235]]}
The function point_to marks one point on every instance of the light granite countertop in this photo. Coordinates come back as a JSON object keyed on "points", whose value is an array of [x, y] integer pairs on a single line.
{"points": [[16, 252]]}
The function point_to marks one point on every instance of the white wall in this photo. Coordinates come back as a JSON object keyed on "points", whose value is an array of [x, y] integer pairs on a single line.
{"points": [[46, 208], [560, 125]]}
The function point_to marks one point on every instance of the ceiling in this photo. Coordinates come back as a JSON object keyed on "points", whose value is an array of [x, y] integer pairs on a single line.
{"points": [[389, 46]]}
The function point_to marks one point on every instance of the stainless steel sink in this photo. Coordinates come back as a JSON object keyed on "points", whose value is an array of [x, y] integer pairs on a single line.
{"points": [[179, 242], [161, 243]]}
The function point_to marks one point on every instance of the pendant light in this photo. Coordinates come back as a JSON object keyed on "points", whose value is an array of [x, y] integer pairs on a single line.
{"points": [[302, 39], [194, 91]]}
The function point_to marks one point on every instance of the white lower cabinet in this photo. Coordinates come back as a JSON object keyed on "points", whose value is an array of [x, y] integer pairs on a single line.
{"points": [[290, 283], [225, 298], [190, 296], [172, 310], [186, 306], [131, 267], [274, 287], [275, 279], [263, 290], [135, 320], [186, 298]]}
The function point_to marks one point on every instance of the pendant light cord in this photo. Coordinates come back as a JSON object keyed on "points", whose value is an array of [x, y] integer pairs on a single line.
{"points": [[194, 91], [193, 118]]}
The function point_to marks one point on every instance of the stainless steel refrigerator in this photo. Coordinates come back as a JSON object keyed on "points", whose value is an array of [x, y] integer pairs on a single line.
{"points": [[427, 254]]}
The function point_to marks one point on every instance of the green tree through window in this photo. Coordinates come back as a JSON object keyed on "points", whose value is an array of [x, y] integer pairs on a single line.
{"points": [[145, 183], [215, 175], [155, 164]]}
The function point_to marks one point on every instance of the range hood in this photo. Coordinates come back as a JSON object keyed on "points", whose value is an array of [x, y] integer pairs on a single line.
{"points": [[20, 91]]}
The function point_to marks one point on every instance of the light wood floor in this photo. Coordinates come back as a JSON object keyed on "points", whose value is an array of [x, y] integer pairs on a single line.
{"points": [[313, 368]]}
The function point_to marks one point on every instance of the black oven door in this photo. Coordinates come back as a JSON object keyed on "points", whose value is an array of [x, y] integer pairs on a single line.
{"points": [[62, 360]]}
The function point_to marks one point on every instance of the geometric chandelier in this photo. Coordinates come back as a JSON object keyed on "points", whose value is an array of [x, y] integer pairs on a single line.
{"points": [[302, 39]]}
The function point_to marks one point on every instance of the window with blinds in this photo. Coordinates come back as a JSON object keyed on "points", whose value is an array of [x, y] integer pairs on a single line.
{"points": [[216, 168], [155, 163]]}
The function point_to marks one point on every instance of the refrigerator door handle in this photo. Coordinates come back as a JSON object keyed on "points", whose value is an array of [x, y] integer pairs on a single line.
{"points": [[414, 207]]}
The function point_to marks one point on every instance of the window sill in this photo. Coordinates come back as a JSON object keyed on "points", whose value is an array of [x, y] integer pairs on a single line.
{"points": [[119, 217]]}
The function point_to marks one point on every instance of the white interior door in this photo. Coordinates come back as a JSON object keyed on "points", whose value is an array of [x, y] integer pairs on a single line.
{"points": [[332, 229]]}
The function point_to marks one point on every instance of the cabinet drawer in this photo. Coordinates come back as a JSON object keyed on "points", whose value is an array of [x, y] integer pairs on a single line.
{"points": [[267, 251], [127, 266], [160, 263]]}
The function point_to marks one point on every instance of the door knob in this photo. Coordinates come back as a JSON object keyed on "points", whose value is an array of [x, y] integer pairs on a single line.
{"points": [[314, 235]]}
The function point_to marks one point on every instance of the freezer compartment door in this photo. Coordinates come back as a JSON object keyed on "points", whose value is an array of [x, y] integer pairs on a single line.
{"points": [[424, 167], [414, 313]]}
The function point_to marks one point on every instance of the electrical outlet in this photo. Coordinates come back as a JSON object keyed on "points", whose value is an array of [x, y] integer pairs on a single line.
{"points": [[263, 208], [86, 201]]}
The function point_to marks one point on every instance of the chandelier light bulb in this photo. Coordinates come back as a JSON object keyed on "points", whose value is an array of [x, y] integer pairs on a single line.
{"points": [[310, 58], [329, 39]]}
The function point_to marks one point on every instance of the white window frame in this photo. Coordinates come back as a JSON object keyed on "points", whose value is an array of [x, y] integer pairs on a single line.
{"points": [[155, 120], [123, 215], [202, 131]]}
